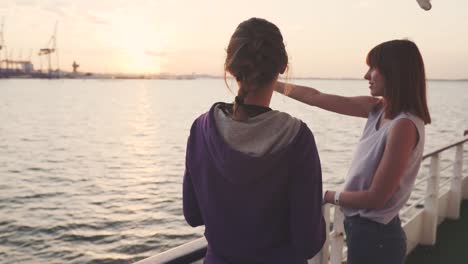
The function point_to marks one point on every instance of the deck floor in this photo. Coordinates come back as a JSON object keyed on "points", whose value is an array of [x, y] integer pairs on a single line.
{"points": [[451, 246]]}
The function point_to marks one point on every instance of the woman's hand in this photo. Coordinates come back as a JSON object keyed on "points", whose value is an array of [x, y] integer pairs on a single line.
{"points": [[329, 197]]}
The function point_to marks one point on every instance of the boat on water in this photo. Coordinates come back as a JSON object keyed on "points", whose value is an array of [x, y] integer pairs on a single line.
{"points": [[446, 185]]}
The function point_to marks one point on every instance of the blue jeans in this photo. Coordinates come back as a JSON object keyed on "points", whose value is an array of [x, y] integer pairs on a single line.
{"points": [[372, 242]]}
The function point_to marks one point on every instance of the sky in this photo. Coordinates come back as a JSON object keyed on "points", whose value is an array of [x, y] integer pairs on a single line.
{"points": [[327, 39]]}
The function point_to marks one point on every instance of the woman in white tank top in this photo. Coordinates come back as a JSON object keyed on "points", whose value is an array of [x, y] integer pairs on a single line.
{"points": [[389, 153]]}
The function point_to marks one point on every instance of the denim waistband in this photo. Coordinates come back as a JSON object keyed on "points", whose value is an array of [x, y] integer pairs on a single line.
{"points": [[358, 218]]}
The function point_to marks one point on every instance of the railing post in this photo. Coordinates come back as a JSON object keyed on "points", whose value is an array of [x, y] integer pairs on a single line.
{"points": [[431, 204], [455, 195], [337, 237], [326, 246], [324, 254], [464, 192]]}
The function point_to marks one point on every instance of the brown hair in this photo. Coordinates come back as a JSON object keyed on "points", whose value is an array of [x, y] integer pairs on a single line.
{"points": [[402, 66], [256, 55]]}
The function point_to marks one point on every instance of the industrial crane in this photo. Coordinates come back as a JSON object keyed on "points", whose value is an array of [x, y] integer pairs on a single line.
{"points": [[51, 48], [2, 44]]}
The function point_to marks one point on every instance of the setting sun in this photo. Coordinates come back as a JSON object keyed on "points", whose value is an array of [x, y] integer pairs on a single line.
{"points": [[141, 48], [136, 60]]}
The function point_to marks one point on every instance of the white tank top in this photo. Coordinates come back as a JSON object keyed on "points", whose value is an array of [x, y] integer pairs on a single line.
{"points": [[366, 159]]}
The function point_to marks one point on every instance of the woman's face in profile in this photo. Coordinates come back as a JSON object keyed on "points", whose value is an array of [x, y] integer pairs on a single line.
{"points": [[376, 81]]}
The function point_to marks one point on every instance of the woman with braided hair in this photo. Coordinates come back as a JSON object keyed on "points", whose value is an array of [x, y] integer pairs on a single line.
{"points": [[253, 174]]}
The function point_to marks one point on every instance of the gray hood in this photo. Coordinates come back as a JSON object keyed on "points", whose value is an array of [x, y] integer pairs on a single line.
{"points": [[261, 135]]}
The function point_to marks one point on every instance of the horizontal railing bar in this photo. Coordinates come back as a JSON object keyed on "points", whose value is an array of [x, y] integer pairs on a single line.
{"points": [[445, 183], [444, 148], [415, 203], [185, 253], [421, 180], [409, 219], [446, 167]]}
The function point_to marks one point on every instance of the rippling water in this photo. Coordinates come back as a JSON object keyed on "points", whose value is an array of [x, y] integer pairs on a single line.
{"points": [[91, 171]]}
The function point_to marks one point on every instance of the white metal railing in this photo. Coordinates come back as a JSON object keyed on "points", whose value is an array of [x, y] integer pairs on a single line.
{"points": [[420, 226]]}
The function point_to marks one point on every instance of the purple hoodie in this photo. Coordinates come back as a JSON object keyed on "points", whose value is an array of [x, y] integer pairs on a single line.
{"points": [[256, 186]]}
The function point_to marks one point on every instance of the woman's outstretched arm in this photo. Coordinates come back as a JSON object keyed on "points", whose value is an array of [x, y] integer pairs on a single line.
{"points": [[359, 106]]}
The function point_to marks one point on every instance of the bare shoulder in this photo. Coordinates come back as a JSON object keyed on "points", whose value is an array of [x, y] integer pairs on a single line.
{"points": [[403, 126], [403, 134]]}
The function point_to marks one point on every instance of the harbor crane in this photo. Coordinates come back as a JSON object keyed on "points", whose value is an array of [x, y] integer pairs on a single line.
{"points": [[1, 34], [51, 48], [2, 44]]}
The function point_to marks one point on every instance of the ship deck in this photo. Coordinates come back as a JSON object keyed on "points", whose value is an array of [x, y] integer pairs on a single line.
{"points": [[451, 245]]}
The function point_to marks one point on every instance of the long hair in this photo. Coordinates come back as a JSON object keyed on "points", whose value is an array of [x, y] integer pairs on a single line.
{"points": [[402, 66], [255, 56]]}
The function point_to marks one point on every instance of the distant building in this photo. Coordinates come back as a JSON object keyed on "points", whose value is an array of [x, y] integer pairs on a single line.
{"points": [[27, 67], [75, 67]]}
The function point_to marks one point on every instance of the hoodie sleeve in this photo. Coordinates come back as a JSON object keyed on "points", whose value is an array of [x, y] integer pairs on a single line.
{"points": [[307, 225], [191, 208]]}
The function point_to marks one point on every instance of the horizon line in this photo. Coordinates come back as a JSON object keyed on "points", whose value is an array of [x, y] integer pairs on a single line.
{"points": [[214, 76]]}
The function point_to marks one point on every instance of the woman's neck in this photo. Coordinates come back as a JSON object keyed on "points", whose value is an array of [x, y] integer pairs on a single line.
{"points": [[260, 96]]}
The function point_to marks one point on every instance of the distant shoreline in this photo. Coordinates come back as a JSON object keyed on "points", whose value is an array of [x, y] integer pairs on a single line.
{"points": [[120, 76]]}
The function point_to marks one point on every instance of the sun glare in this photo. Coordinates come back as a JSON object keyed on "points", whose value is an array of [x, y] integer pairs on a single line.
{"points": [[138, 61], [142, 50]]}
